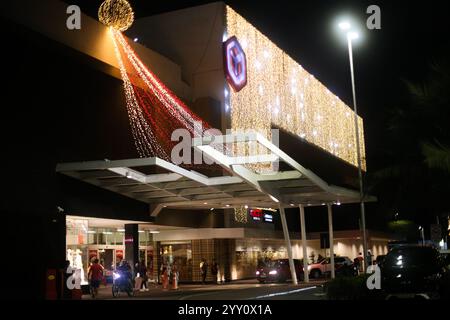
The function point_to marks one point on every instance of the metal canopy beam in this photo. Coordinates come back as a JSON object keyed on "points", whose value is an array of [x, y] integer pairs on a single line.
{"points": [[330, 232], [288, 245], [304, 243], [257, 180]]}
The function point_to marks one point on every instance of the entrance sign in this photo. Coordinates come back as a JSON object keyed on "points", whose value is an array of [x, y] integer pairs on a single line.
{"points": [[235, 64]]}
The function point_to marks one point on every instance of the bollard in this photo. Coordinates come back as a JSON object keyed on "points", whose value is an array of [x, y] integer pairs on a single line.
{"points": [[165, 280], [175, 281]]}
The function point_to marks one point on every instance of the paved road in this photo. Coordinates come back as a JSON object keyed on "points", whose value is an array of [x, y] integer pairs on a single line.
{"points": [[246, 290]]}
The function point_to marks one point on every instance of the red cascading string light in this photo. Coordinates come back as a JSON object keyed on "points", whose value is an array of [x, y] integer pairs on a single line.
{"points": [[154, 111]]}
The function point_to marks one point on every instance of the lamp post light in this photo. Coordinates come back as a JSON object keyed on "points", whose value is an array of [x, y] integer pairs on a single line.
{"points": [[351, 35], [422, 235]]}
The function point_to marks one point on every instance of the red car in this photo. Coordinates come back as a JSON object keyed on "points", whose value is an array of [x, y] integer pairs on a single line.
{"points": [[278, 271]]}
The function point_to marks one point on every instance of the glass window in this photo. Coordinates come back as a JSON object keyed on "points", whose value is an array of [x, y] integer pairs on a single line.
{"points": [[76, 231], [181, 254], [143, 238], [92, 236], [118, 237]]}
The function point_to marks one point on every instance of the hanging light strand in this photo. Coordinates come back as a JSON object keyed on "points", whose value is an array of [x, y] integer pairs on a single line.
{"points": [[154, 111], [282, 94]]}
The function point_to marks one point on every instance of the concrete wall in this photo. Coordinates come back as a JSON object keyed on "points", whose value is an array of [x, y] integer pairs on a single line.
{"points": [[193, 39], [342, 247]]}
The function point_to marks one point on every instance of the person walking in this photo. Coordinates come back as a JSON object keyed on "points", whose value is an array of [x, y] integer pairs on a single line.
{"points": [[369, 258], [215, 271], [95, 276], [203, 270], [359, 262], [143, 275]]}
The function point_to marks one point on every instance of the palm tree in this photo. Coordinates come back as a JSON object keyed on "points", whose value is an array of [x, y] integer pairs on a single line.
{"points": [[416, 178]]}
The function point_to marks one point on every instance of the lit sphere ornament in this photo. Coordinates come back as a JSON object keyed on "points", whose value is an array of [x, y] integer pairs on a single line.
{"points": [[117, 14]]}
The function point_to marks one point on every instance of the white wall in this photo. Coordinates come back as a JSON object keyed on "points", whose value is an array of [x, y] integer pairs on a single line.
{"points": [[342, 247]]}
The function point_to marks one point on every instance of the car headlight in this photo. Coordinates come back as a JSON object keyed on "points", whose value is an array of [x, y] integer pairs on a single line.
{"points": [[273, 272], [257, 273]]}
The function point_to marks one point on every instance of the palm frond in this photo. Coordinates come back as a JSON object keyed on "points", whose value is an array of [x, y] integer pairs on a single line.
{"points": [[436, 156]]}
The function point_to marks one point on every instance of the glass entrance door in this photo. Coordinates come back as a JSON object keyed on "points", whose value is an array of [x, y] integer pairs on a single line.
{"points": [[107, 259]]}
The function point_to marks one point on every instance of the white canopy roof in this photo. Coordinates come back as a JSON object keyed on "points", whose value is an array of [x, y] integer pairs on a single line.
{"points": [[238, 186]]}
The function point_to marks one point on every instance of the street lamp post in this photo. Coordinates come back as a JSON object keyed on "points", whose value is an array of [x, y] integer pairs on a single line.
{"points": [[422, 235], [351, 35]]}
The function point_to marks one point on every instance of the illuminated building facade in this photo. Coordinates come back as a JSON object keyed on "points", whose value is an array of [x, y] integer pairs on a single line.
{"points": [[280, 93], [76, 76], [277, 91]]}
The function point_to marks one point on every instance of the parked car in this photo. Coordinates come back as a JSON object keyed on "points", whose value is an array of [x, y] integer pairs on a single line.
{"points": [[278, 271], [342, 265], [413, 271]]}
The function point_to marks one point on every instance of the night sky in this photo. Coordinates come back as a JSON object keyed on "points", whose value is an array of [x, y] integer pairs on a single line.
{"points": [[413, 35]]}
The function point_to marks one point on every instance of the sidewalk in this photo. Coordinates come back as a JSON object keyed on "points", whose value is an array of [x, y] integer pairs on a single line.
{"points": [[157, 292]]}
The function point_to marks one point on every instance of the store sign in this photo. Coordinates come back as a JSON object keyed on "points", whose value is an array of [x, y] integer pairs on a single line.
{"points": [[129, 239], [256, 214], [235, 64], [261, 215], [268, 217]]}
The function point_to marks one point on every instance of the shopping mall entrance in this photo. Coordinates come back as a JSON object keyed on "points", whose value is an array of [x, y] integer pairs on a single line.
{"points": [[104, 239]]}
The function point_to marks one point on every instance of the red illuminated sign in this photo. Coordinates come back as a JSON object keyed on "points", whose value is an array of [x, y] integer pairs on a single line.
{"points": [[256, 214], [235, 64], [129, 239], [261, 215]]}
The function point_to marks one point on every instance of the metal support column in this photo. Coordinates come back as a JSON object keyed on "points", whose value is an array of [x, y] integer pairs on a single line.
{"points": [[330, 232], [304, 244], [358, 154], [288, 245], [132, 245]]}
